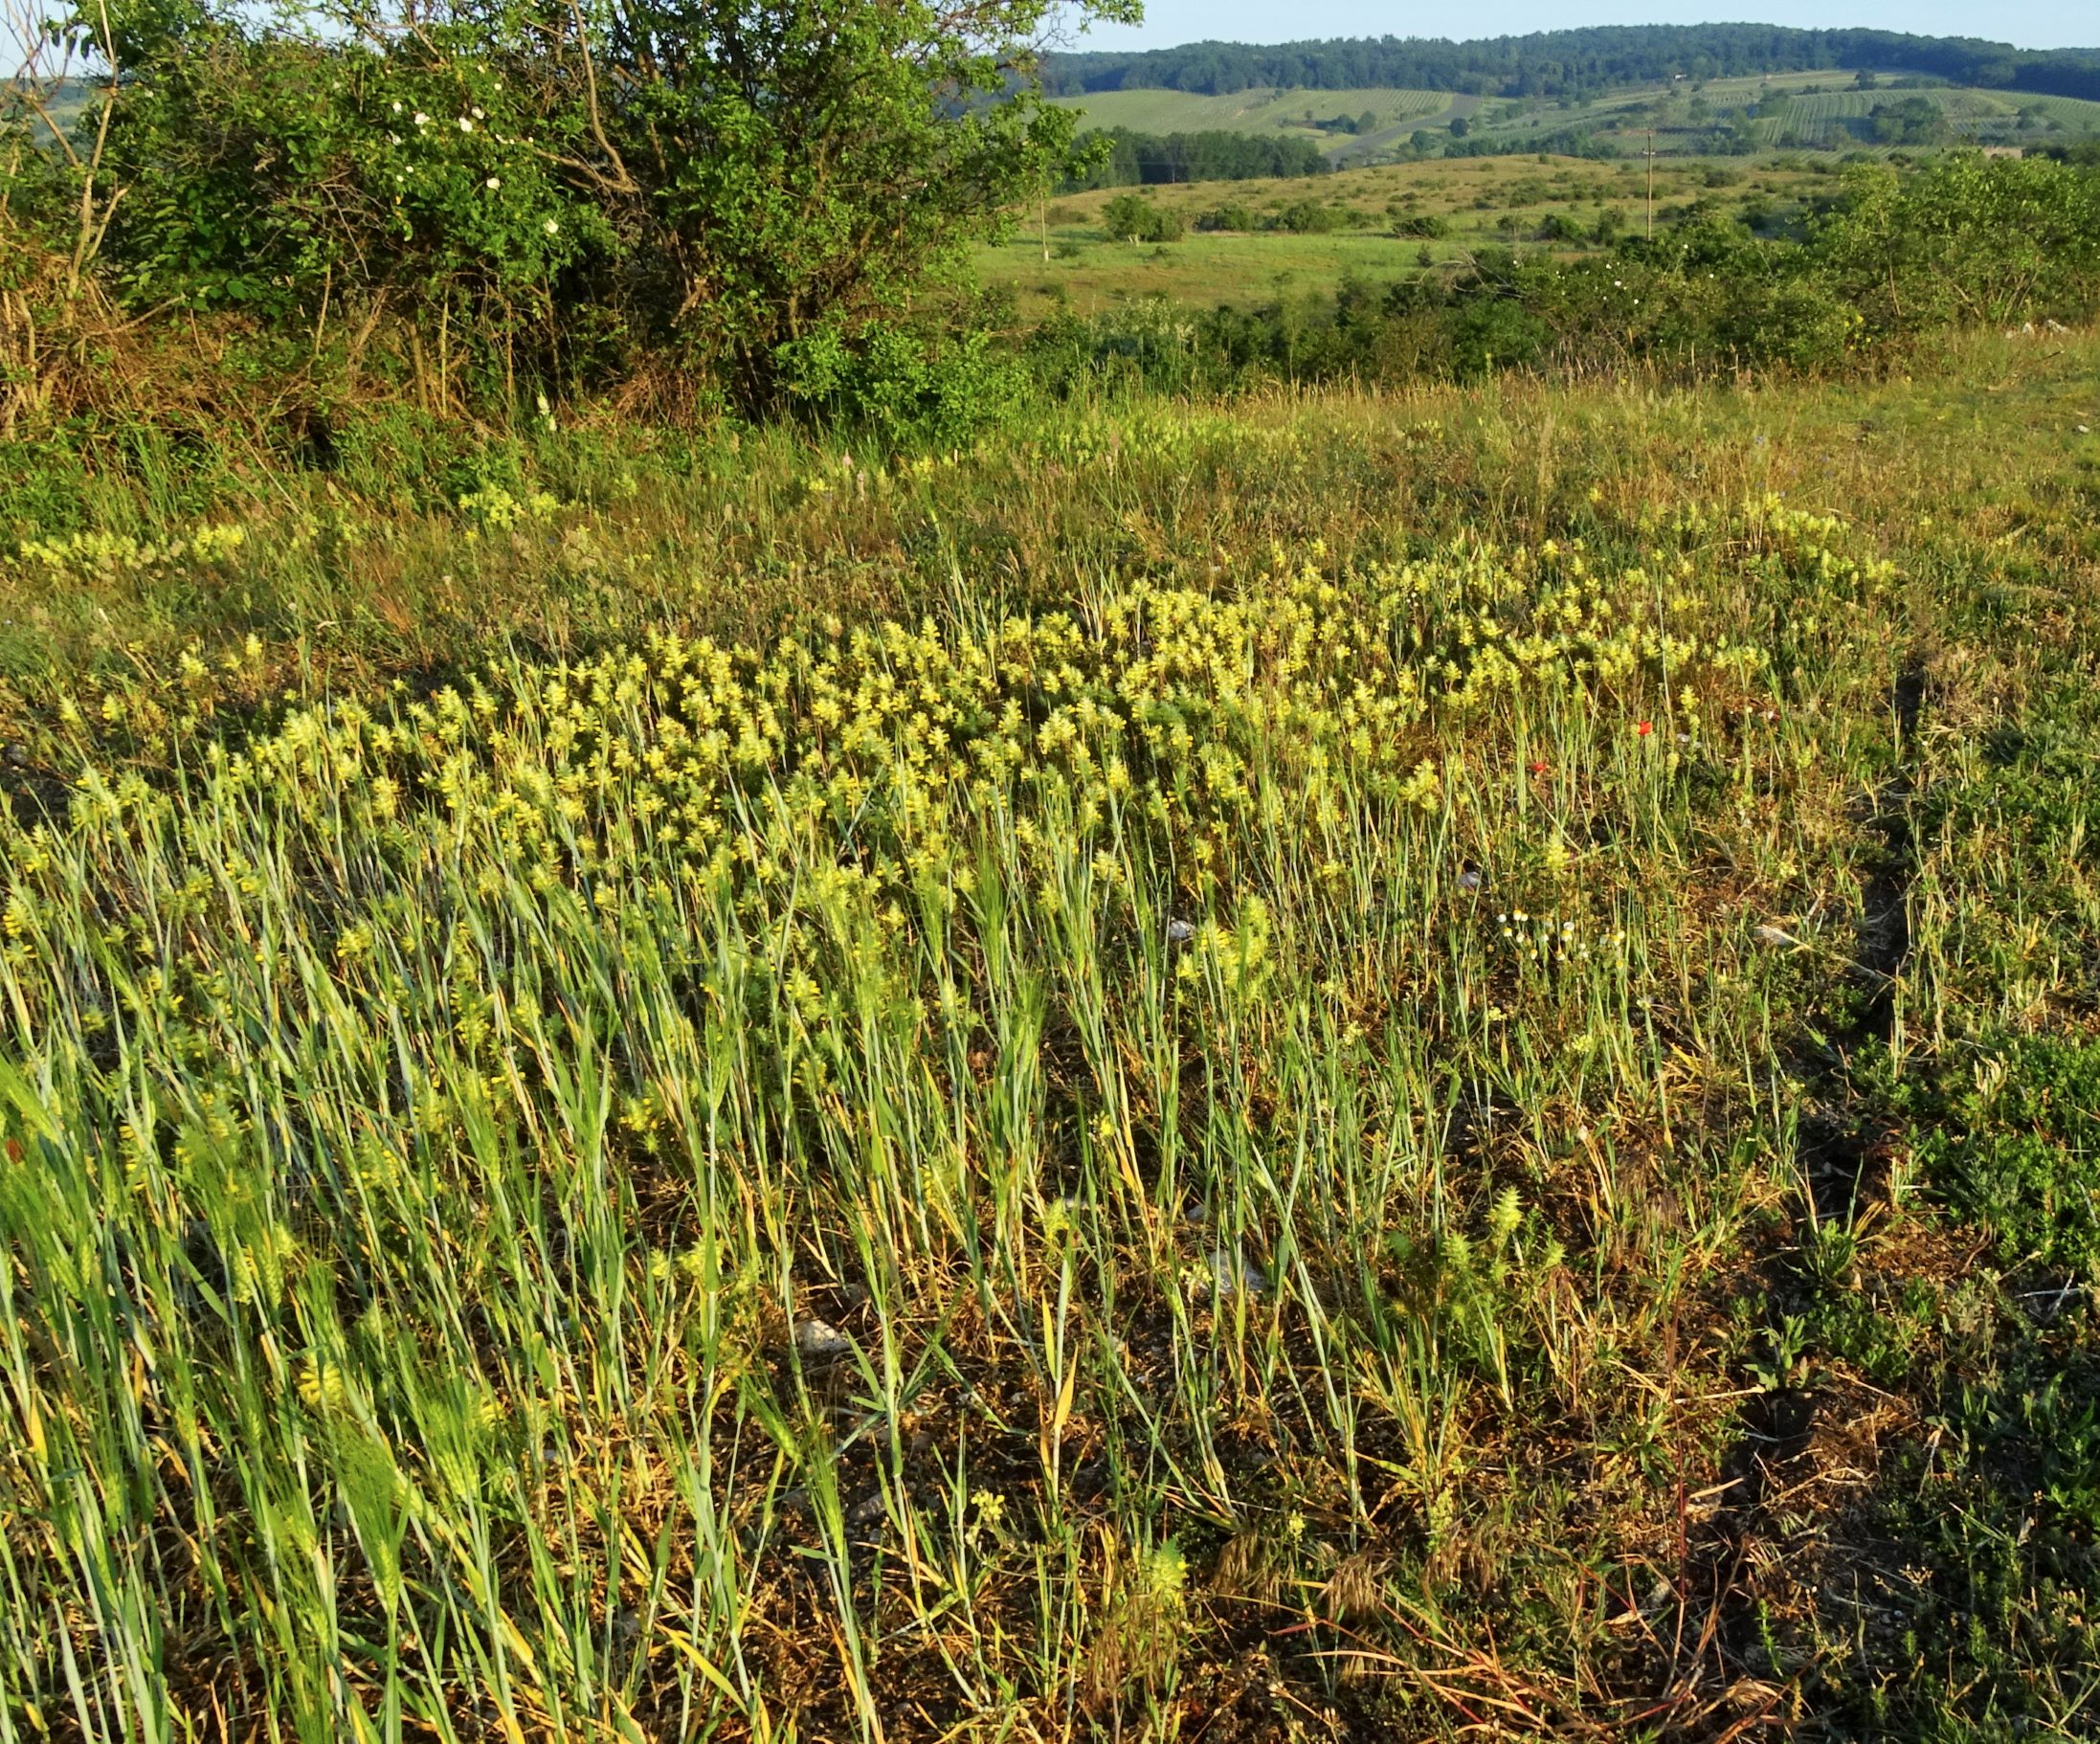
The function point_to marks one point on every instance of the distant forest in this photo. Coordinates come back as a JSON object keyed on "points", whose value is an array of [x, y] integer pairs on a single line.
{"points": [[1573, 63]]}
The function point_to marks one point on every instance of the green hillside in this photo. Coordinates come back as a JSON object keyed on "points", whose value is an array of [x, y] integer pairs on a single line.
{"points": [[1277, 111], [64, 101], [1800, 111], [1842, 118], [1809, 111]]}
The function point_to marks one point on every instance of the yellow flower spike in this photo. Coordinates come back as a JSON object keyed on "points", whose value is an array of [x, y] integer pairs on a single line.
{"points": [[322, 1387]]}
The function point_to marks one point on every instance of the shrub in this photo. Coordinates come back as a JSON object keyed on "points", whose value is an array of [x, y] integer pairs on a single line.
{"points": [[909, 388], [1312, 218], [1970, 238], [1132, 217], [466, 171]]}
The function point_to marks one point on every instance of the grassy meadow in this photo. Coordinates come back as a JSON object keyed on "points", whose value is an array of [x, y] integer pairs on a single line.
{"points": [[1333, 1065], [1061, 254]]}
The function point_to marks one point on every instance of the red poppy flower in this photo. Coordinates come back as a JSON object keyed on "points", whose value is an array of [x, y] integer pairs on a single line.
{"points": [[1538, 769], [1646, 728]]}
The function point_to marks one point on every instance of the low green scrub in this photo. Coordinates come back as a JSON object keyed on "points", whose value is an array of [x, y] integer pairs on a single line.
{"points": [[2018, 1155], [1897, 260], [1131, 217], [383, 197]]}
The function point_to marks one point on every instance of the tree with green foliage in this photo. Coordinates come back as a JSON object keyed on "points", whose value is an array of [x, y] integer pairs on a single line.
{"points": [[1969, 239], [1131, 217], [741, 188], [1312, 218], [1912, 121], [1423, 224], [1119, 158]]}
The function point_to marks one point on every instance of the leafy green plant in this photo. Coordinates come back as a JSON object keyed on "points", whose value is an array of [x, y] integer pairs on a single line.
{"points": [[908, 385], [655, 175], [2017, 1150], [1969, 238]]}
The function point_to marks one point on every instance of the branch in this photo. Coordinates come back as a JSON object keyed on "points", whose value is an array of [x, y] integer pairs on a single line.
{"points": [[621, 180]]}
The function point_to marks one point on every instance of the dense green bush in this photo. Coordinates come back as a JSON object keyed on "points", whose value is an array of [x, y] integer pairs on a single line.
{"points": [[1971, 238], [1315, 218], [908, 387], [1423, 224], [1132, 217], [491, 197]]}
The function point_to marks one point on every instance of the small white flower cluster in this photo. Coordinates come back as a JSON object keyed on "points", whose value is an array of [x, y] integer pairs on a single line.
{"points": [[466, 125], [1540, 938]]}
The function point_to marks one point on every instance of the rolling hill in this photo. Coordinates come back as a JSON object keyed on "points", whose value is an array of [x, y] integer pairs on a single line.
{"points": [[1603, 91], [1572, 64], [1394, 114], [1687, 116]]}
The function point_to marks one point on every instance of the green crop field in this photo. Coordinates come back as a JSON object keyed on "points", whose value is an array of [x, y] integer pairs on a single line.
{"points": [[1827, 116], [2073, 112]]}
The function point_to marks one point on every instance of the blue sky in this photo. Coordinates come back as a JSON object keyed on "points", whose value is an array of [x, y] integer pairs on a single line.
{"points": [[2031, 24]]}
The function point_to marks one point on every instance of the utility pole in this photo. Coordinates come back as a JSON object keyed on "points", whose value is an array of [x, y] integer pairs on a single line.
{"points": [[1651, 183]]}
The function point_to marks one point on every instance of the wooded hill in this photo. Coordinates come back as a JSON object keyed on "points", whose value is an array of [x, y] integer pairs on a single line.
{"points": [[1573, 62]]}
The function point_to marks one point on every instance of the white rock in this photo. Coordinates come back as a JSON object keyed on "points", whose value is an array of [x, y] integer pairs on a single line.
{"points": [[820, 1342]]}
